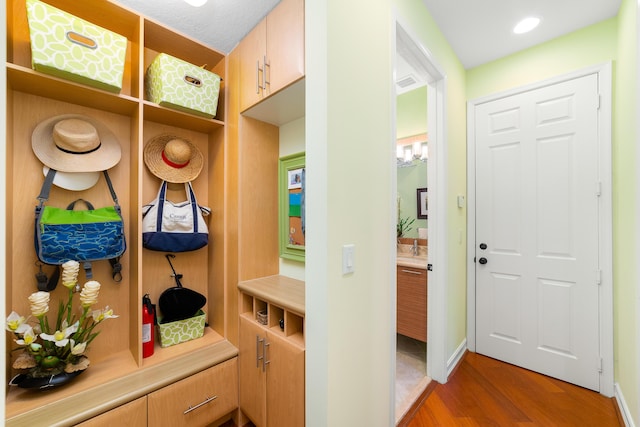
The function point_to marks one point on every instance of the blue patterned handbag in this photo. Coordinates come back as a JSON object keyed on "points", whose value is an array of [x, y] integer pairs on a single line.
{"points": [[80, 235]]}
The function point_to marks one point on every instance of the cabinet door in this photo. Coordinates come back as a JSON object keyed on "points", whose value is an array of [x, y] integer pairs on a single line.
{"points": [[132, 414], [197, 400], [285, 44], [252, 375], [412, 302], [285, 382], [252, 51]]}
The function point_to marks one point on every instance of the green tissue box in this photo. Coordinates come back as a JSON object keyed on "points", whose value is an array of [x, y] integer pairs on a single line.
{"points": [[177, 84], [173, 333], [71, 48]]}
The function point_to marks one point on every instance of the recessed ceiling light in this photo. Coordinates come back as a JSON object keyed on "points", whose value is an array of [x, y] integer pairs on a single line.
{"points": [[526, 25], [196, 3]]}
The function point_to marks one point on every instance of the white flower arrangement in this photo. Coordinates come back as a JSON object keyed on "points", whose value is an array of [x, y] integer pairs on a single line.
{"points": [[48, 351]]}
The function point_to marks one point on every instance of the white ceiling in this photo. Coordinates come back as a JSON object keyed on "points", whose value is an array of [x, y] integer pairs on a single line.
{"points": [[479, 31], [220, 24]]}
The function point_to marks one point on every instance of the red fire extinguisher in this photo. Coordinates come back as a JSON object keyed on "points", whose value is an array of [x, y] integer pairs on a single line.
{"points": [[148, 321]]}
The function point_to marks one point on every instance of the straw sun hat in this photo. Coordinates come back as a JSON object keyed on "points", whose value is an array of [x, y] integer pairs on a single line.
{"points": [[172, 158], [75, 143]]}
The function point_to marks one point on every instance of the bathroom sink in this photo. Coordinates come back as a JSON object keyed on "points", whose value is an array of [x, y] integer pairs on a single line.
{"points": [[408, 260]]}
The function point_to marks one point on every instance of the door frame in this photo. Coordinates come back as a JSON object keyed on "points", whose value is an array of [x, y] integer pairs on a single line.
{"points": [[437, 361], [604, 73]]}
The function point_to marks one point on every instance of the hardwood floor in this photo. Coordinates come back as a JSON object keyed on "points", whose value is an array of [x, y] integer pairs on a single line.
{"points": [[486, 392]]}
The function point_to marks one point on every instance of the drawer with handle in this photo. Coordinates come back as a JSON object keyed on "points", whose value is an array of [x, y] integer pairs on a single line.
{"points": [[197, 400]]}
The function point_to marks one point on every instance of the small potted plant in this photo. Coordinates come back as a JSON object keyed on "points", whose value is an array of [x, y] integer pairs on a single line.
{"points": [[53, 354], [404, 225]]}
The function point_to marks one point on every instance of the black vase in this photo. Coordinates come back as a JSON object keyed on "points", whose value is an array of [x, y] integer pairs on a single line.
{"points": [[43, 383]]}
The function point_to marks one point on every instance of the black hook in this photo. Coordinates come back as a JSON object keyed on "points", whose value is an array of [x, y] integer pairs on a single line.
{"points": [[41, 277], [176, 275]]}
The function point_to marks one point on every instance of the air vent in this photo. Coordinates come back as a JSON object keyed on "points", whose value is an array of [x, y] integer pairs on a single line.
{"points": [[406, 81]]}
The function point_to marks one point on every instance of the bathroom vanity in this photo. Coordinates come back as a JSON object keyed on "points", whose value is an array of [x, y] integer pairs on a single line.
{"points": [[411, 273]]}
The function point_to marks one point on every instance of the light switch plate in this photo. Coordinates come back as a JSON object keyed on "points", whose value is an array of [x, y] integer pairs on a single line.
{"points": [[348, 259]]}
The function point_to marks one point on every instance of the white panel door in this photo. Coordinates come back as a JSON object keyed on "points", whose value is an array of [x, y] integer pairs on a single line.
{"points": [[537, 213]]}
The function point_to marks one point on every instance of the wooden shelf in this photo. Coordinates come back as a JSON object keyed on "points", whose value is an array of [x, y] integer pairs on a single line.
{"points": [[29, 81], [156, 113], [283, 291]]}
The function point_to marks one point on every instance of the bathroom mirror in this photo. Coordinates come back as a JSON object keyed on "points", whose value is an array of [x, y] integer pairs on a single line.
{"points": [[291, 206]]}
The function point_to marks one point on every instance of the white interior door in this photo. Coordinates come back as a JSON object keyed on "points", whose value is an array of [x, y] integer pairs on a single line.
{"points": [[537, 204]]}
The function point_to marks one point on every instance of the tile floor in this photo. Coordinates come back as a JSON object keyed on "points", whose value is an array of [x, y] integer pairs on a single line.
{"points": [[411, 368]]}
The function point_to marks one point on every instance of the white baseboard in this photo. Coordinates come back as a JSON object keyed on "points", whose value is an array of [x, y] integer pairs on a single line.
{"points": [[456, 357], [622, 404]]}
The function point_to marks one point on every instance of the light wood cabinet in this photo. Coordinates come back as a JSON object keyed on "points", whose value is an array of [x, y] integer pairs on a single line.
{"points": [[116, 356], [132, 414], [271, 355], [197, 400], [412, 302], [272, 54]]}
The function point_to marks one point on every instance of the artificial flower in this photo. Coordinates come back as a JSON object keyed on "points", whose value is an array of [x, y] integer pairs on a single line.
{"points": [[78, 349], [70, 271], [17, 323], [28, 337], [100, 315], [51, 348], [89, 293], [39, 303], [61, 337]]}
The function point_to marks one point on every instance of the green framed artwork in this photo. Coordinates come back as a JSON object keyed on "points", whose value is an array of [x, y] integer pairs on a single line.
{"points": [[291, 206]]}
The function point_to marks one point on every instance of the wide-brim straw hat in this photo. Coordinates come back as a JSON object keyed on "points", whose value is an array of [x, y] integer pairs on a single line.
{"points": [[172, 158], [74, 181], [75, 143]]}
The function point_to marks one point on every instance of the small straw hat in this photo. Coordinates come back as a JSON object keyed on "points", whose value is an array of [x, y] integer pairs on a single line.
{"points": [[75, 143], [172, 158]]}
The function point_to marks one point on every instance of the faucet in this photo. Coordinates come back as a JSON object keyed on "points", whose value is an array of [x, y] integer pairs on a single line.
{"points": [[414, 248]]}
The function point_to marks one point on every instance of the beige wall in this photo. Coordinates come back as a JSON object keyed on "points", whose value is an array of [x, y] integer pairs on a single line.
{"points": [[351, 191]]}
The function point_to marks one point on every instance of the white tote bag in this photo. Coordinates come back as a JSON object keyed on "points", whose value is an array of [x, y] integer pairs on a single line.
{"points": [[174, 227]]}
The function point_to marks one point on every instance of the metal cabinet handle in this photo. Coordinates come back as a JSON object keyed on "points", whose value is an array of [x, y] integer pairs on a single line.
{"points": [[258, 357], [257, 77], [265, 362], [419, 273], [265, 64], [193, 408]]}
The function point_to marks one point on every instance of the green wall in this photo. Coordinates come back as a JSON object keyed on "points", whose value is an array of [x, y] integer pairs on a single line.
{"points": [[411, 119], [415, 18], [349, 370], [611, 40], [625, 210], [411, 113], [409, 180]]}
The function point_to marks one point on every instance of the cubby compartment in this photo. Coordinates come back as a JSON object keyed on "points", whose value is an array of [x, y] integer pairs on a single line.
{"points": [[294, 327], [275, 315]]}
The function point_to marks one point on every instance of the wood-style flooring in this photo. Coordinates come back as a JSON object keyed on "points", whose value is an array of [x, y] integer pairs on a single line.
{"points": [[486, 392]]}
